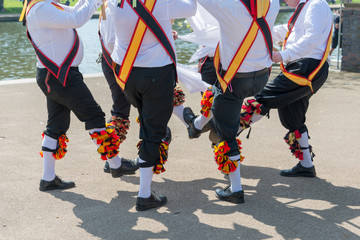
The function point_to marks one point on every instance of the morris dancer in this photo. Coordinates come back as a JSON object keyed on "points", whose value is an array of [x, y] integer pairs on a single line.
{"points": [[242, 61], [205, 33], [144, 64], [51, 30], [305, 51], [121, 107]]}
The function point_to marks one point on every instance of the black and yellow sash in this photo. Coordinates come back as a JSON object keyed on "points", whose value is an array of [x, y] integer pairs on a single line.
{"points": [[59, 72], [146, 21], [300, 80], [258, 9], [105, 53]]}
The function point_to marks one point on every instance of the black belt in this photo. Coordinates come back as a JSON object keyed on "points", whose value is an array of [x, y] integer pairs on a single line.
{"points": [[210, 59], [71, 68], [74, 68], [248, 74]]}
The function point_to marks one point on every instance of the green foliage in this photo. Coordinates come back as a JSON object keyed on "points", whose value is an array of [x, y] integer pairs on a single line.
{"points": [[12, 6]]}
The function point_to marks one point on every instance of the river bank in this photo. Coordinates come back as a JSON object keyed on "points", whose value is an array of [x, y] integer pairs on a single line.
{"points": [[17, 58]]}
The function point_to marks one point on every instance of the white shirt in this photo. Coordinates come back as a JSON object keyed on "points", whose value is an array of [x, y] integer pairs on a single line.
{"points": [[235, 20], [205, 33], [107, 31], [52, 31], [309, 36], [151, 52]]}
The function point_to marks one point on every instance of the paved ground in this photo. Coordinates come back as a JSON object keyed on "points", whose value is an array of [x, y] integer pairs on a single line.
{"points": [[327, 207]]}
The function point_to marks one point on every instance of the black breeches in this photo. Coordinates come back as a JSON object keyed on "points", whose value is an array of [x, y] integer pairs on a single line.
{"points": [[227, 106], [291, 99], [120, 107], [151, 91], [207, 71], [75, 96]]}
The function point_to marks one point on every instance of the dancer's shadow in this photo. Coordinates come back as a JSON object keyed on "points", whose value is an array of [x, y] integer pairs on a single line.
{"points": [[303, 208], [297, 208], [177, 220]]}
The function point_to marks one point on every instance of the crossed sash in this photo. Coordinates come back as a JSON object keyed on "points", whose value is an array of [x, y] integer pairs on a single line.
{"points": [[258, 9], [146, 21]]}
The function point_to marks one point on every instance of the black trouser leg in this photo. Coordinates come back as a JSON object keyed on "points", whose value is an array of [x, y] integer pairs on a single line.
{"points": [[151, 91], [120, 107]]}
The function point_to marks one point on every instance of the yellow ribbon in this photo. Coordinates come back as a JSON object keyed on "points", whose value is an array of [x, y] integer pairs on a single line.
{"points": [[23, 12]]}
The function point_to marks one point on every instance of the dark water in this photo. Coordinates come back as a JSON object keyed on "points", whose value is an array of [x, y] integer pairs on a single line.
{"points": [[17, 56]]}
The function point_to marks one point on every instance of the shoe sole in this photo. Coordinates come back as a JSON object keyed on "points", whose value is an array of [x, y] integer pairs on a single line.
{"points": [[232, 200], [54, 188], [191, 134], [122, 174], [298, 175], [106, 170], [142, 208]]}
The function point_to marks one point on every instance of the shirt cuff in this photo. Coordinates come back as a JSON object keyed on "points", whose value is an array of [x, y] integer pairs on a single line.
{"points": [[285, 55]]}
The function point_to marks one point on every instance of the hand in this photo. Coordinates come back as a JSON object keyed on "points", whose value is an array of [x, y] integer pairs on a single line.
{"points": [[277, 57], [174, 34]]}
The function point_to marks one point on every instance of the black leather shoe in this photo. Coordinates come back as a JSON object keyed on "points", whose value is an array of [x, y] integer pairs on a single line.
{"points": [[167, 137], [154, 201], [299, 171], [57, 183], [128, 167], [227, 195], [189, 118], [106, 167]]}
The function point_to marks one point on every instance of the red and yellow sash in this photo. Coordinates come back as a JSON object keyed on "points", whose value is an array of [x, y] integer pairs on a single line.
{"points": [[146, 21], [258, 9], [300, 80]]}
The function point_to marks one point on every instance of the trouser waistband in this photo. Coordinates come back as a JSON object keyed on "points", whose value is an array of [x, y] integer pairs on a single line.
{"points": [[248, 74]]}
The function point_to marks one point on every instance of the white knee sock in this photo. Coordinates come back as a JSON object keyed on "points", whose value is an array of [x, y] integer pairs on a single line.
{"points": [[235, 177], [114, 162], [145, 180], [48, 158], [178, 111], [254, 119], [304, 142], [201, 121]]}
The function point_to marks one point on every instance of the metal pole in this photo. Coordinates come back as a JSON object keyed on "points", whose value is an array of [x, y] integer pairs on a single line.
{"points": [[340, 33]]}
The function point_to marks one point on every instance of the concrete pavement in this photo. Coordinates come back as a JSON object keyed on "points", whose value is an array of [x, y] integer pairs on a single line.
{"points": [[326, 207]]}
